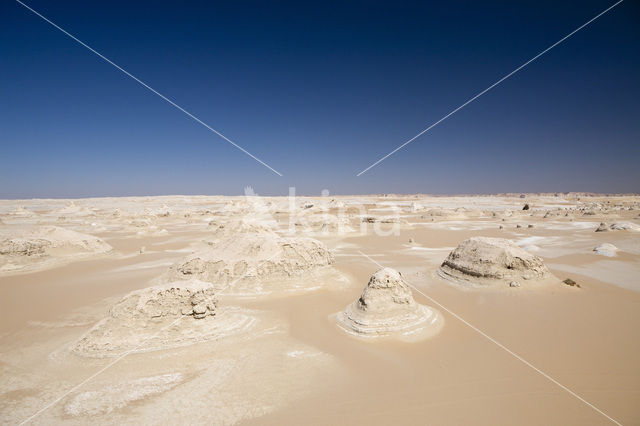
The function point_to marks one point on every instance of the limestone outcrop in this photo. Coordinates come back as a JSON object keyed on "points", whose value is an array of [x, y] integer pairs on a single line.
{"points": [[387, 308], [253, 264], [486, 261]]}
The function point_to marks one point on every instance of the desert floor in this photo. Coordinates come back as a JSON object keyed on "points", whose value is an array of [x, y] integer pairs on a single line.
{"points": [[292, 364]]}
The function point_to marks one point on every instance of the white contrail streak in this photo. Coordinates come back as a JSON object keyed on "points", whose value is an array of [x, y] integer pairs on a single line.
{"points": [[503, 347], [490, 87], [153, 90]]}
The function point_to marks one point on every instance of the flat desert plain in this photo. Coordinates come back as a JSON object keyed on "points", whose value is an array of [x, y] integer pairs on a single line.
{"points": [[389, 309]]}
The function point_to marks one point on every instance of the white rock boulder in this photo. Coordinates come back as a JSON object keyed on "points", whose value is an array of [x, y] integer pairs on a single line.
{"points": [[387, 308], [487, 261]]}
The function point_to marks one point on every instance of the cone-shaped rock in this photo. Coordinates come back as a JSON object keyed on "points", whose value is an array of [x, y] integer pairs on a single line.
{"points": [[387, 308]]}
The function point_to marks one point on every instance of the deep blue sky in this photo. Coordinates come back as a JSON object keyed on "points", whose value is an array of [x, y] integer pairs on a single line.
{"points": [[319, 91]]}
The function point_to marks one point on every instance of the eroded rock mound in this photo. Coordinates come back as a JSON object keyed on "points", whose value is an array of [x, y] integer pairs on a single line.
{"points": [[163, 316], [228, 228], [624, 226], [45, 246], [621, 226], [22, 212], [337, 204], [486, 261], [387, 308], [249, 264], [324, 223], [606, 249], [73, 209], [186, 298]]}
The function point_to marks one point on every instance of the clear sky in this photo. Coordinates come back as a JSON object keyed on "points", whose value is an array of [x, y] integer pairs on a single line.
{"points": [[319, 91]]}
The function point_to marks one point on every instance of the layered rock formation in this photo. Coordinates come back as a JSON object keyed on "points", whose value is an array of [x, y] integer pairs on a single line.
{"points": [[621, 226], [252, 264], [387, 308], [22, 212], [229, 228], [47, 245], [487, 261], [159, 317]]}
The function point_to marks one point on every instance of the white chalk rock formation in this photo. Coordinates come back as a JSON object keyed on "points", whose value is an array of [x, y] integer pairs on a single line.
{"points": [[323, 224], [391, 219], [253, 264], [624, 226], [336, 204], [194, 298], [164, 316], [620, 226], [415, 207], [487, 261], [233, 208], [386, 308], [22, 212], [228, 228], [46, 246], [606, 249], [72, 209]]}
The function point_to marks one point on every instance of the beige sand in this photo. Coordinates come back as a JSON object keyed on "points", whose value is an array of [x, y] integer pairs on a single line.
{"points": [[291, 363]]}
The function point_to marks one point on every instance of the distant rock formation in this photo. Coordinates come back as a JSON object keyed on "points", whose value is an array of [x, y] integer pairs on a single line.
{"points": [[72, 209], [337, 204], [324, 223], [621, 226], [117, 396], [387, 308], [415, 207], [487, 261], [624, 226], [228, 228], [606, 249], [22, 212]]}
